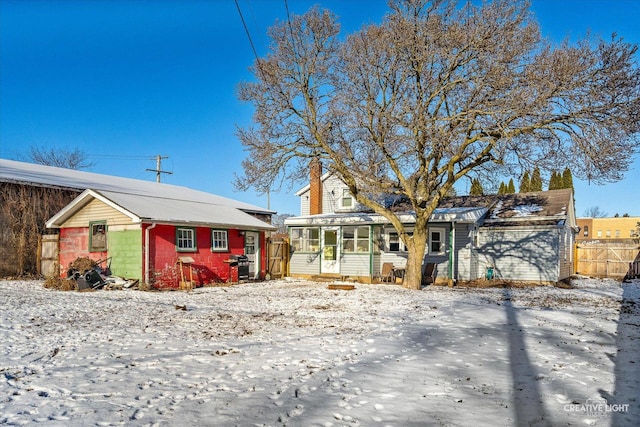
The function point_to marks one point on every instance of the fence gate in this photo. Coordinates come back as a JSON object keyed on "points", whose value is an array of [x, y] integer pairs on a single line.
{"points": [[615, 260], [48, 255], [278, 257]]}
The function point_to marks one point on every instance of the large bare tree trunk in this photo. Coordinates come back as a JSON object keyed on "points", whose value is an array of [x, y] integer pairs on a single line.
{"points": [[416, 246]]}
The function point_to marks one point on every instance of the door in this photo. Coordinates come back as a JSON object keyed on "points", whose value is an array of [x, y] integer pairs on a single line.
{"points": [[252, 251], [330, 251]]}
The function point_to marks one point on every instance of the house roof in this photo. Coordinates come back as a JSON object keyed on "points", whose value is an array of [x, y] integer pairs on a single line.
{"points": [[169, 210], [536, 208], [457, 214], [48, 176], [541, 208]]}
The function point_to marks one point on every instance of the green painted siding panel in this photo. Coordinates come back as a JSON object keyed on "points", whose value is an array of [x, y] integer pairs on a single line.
{"points": [[125, 250]]}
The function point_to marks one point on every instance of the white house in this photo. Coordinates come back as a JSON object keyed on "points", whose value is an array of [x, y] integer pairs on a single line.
{"points": [[520, 237]]}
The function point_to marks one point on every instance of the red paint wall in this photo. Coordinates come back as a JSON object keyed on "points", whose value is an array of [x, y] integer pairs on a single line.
{"points": [[74, 243], [209, 267]]}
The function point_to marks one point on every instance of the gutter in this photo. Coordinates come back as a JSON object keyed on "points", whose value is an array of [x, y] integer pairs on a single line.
{"points": [[146, 251]]}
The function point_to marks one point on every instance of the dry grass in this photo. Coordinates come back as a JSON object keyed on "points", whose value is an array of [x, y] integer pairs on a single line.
{"points": [[60, 284]]}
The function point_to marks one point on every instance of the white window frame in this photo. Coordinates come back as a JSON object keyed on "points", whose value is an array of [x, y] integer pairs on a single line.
{"points": [[302, 239], [443, 240], [402, 248], [219, 241], [346, 195], [358, 239], [180, 240]]}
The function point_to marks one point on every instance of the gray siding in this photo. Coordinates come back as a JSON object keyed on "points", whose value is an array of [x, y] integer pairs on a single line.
{"points": [[520, 253], [567, 253], [355, 265], [304, 263], [464, 253]]}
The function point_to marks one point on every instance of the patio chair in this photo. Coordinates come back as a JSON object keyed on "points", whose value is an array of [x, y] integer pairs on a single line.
{"points": [[429, 274], [387, 273]]}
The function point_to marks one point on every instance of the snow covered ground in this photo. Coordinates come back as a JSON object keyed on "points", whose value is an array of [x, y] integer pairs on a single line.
{"points": [[296, 353]]}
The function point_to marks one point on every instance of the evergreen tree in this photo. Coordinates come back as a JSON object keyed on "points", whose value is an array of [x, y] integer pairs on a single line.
{"points": [[536, 180], [555, 182], [525, 183], [502, 189], [476, 188], [511, 188], [567, 179]]}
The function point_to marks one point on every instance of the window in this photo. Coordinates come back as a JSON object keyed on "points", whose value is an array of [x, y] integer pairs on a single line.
{"points": [[586, 230], [185, 239], [347, 200], [608, 233], [355, 239], [250, 244], [617, 233], [98, 236], [395, 243], [219, 241], [436, 240], [305, 239], [599, 233]]}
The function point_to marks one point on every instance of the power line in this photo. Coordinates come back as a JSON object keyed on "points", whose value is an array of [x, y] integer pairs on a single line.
{"points": [[246, 29]]}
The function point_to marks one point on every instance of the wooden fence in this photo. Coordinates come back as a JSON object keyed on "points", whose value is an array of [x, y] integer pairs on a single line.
{"points": [[615, 260], [48, 255], [278, 257]]}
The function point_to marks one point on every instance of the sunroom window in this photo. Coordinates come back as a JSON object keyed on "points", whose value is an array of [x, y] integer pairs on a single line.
{"points": [[305, 239], [355, 239]]}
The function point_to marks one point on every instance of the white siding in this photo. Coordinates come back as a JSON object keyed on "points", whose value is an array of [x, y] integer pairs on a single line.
{"points": [[355, 265], [527, 254], [304, 263], [331, 194], [97, 210]]}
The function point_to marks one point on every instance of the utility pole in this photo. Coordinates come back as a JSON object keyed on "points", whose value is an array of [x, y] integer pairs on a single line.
{"points": [[158, 170]]}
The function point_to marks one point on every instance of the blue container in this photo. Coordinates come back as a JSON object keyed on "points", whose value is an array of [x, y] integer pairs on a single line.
{"points": [[489, 273]]}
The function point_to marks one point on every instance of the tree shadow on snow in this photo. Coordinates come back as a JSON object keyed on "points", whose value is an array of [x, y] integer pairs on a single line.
{"points": [[625, 400], [527, 398]]}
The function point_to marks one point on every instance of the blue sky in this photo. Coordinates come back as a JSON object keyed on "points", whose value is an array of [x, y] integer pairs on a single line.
{"points": [[128, 80]]}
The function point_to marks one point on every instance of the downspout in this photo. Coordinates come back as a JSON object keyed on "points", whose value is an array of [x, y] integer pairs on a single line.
{"points": [[452, 255], [146, 252]]}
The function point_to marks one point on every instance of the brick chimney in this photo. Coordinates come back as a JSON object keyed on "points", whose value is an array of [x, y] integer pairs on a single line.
{"points": [[315, 188]]}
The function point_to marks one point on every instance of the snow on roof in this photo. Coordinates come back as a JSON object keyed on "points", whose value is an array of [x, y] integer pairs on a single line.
{"points": [[29, 173], [439, 215], [155, 209]]}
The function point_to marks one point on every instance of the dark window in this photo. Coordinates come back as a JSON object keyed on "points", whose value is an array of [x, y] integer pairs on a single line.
{"points": [[98, 236]]}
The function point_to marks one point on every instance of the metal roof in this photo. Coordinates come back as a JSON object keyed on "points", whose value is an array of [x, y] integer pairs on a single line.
{"points": [[48, 176], [468, 215], [144, 208]]}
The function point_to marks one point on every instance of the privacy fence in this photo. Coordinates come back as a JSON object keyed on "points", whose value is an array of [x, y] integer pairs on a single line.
{"points": [[614, 260]]}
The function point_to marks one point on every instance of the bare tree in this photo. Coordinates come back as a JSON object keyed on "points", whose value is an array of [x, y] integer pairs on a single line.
{"points": [[278, 221], [436, 91], [595, 212], [69, 158]]}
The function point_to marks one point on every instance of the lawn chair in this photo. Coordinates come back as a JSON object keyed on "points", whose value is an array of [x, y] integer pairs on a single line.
{"points": [[429, 274], [387, 276]]}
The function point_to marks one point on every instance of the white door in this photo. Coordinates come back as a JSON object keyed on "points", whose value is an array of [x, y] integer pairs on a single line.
{"points": [[330, 251], [252, 251]]}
